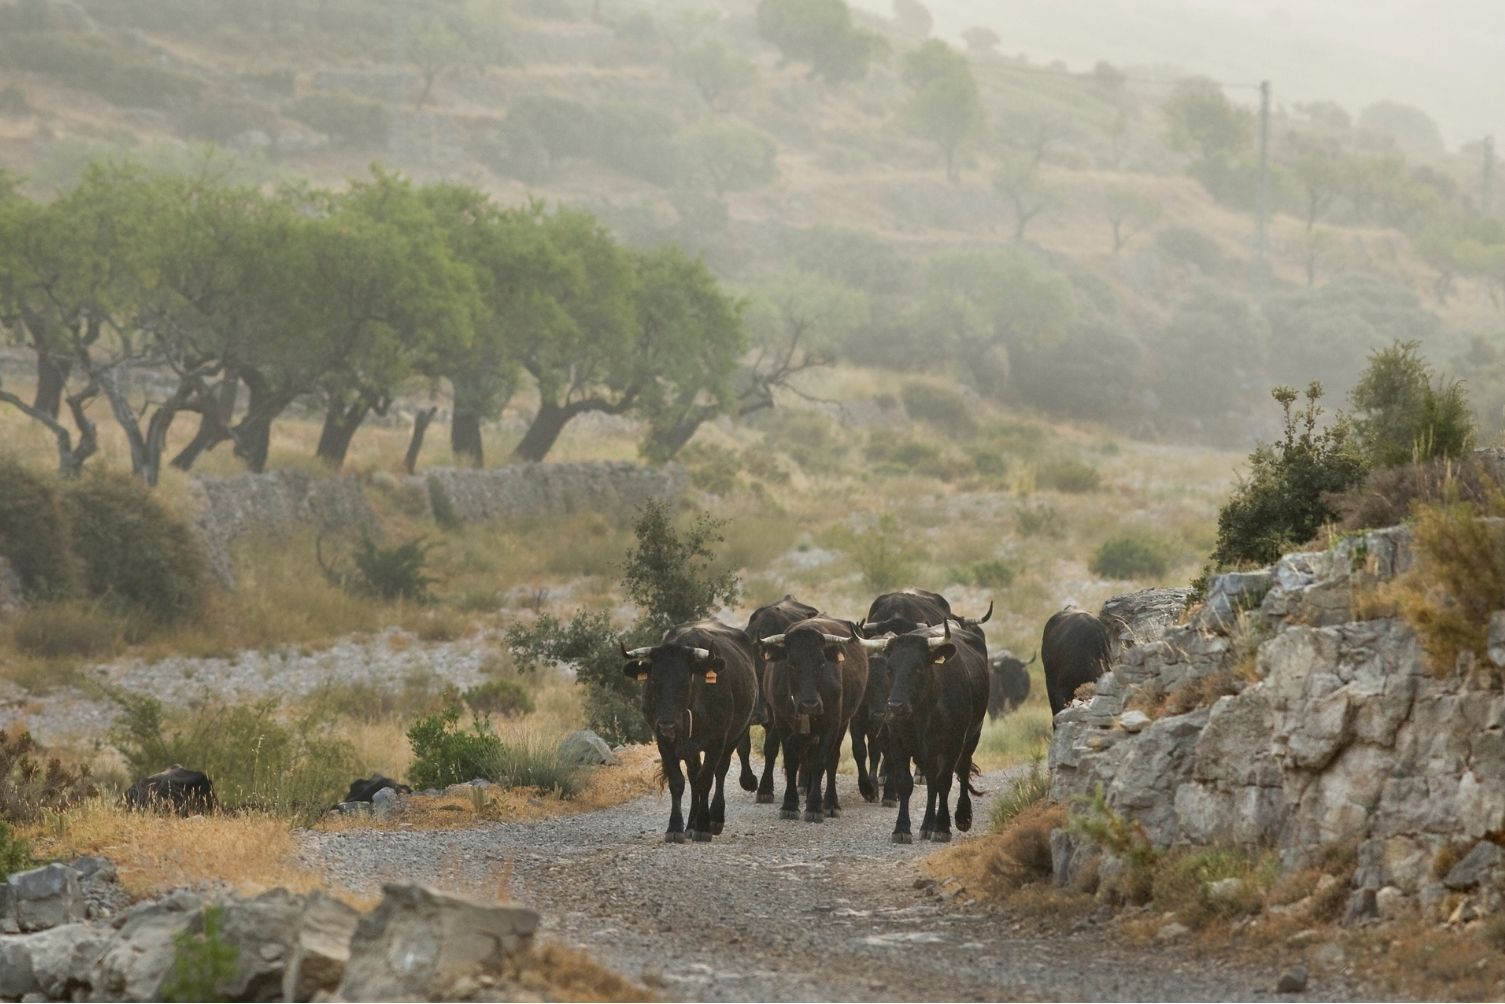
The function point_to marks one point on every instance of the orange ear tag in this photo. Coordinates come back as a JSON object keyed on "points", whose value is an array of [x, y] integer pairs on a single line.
{"points": [[841, 657], [941, 661], [642, 677], [710, 676]]}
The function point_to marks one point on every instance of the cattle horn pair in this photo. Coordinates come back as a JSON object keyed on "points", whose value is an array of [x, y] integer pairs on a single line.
{"points": [[700, 653], [938, 642], [975, 621]]}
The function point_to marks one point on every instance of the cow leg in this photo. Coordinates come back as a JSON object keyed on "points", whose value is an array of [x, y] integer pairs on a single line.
{"points": [[701, 784], [927, 827], [791, 807], [676, 778], [865, 785], [964, 780], [718, 804], [815, 766], [940, 787], [904, 786], [770, 757], [747, 779], [890, 775], [832, 802]]}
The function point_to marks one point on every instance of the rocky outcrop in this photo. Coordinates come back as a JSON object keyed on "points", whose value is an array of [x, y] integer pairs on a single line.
{"points": [[417, 944], [1314, 728]]}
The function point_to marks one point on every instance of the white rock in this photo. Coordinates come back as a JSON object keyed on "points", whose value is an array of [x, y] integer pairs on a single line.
{"points": [[1133, 721]]}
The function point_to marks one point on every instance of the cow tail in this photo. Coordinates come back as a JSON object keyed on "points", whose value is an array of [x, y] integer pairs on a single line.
{"points": [[973, 771]]}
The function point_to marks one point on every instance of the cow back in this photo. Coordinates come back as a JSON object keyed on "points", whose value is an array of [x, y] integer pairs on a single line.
{"points": [[1075, 648]]}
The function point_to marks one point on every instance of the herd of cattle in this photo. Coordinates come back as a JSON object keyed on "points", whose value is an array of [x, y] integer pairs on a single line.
{"points": [[911, 682]]}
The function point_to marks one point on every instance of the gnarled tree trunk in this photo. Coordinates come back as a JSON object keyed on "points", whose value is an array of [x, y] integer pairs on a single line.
{"points": [[421, 423]]}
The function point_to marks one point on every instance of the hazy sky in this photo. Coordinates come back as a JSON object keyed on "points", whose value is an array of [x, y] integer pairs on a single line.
{"points": [[1444, 56]]}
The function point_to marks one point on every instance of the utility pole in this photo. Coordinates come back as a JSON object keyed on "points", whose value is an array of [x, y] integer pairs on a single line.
{"points": [[1487, 178], [1261, 238]]}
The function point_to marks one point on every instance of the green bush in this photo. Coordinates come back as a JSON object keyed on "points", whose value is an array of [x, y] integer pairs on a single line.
{"points": [[203, 964], [1192, 247], [67, 630], [882, 555], [1030, 789], [1131, 556], [34, 532], [392, 573], [941, 407], [914, 456], [445, 754], [593, 648], [504, 696], [220, 120], [1287, 496], [989, 463], [1039, 521], [137, 557], [1067, 475], [713, 468], [442, 506], [672, 575], [1402, 416], [536, 765], [255, 762], [347, 119], [991, 574], [15, 853]]}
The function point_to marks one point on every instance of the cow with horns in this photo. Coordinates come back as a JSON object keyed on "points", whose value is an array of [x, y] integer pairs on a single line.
{"points": [[817, 672], [1010, 686], [766, 622], [935, 712], [891, 614], [698, 699]]}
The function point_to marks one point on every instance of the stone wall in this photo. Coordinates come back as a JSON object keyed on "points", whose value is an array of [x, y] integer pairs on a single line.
{"points": [[1338, 734]]}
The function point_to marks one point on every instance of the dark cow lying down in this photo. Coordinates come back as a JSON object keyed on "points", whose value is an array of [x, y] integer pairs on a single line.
{"points": [[363, 788], [175, 789]]}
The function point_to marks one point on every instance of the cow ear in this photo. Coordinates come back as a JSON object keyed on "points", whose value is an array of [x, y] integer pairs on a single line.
{"points": [[637, 669], [941, 653], [709, 668], [773, 653], [834, 653]]}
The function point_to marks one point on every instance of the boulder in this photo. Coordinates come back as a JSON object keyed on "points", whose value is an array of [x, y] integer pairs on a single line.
{"points": [[137, 960], [320, 950], [17, 978], [587, 748], [1228, 596], [1145, 615], [44, 897], [385, 804], [1477, 865], [63, 959], [418, 944]]}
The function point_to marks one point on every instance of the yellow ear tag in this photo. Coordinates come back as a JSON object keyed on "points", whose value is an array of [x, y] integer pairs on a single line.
{"points": [[940, 661], [710, 676], [642, 677], [841, 657]]}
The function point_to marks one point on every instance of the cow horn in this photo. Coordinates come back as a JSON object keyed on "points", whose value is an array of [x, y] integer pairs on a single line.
{"points": [[834, 638], [699, 653], [773, 639], [1033, 658], [637, 653], [873, 644], [938, 642], [975, 621]]}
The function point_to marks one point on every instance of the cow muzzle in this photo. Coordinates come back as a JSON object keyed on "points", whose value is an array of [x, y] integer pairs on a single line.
{"points": [[667, 729], [810, 707], [897, 709]]}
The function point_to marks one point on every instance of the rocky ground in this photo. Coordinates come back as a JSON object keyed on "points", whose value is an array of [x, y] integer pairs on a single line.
{"points": [[781, 910]]}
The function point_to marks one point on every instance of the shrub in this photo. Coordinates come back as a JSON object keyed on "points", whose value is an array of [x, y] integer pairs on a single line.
{"points": [[989, 463], [1028, 790], [808, 438], [445, 754], [505, 695], [67, 630], [1402, 415], [672, 575], [994, 573], [1390, 494], [1039, 521], [1182, 883], [913, 456], [442, 506], [530, 763], [136, 556], [1125, 839], [254, 761], [92, 64], [1458, 581], [1131, 556], [15, 852], [346, 119], [220, 120], [941, 407], [1287, 496], [203, 964], [592, 647], [29, 788], [1192, 247], [1067, 475], [391, 573], [713, 468], [34, 532], [882, 555]]}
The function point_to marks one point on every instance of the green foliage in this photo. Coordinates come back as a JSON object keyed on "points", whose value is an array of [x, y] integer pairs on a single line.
{"points": [[636, 139], [203, 964], [1191, 246], [1027, 790], [1285, 500], [536, 765], [442, 506], [994, 573], [1067, 474], [505, 695], [1213, 349], [137, 556], [939, 406], [1458, 581], [715, 71], [62, 630], [1039, 521], [30, 788], [255, 761], [90, 63], [1126, 839], [593, 648], [15, 852], [392, 573], [820, 34], [672, 574], [944, 105], [34, 532], [1401, 415], [345, 118], [445, 754], [1131, 556], [1410, 128], [882, 554], [1203, 121], [1182, 882], [725, 156]]}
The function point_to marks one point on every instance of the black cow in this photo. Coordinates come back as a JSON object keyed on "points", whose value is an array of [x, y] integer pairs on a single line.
{"points": [[817, 672], [177, 789], [699, 702], [1075, 649], [363, 788], [765, 622], [1010, 683], [891, 614], [936, 710]]}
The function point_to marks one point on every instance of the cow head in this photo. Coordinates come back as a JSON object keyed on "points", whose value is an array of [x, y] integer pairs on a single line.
{"points": [[1008, 683], [667, 671], [811, 656], [912, 659]]}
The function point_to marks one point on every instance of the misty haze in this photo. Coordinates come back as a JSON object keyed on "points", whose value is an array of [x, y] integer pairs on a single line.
{"points": [[751, 500]]}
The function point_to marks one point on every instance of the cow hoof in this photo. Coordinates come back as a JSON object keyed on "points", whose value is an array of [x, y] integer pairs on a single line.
{"points": [[674, 838], [749, 782], [701, 837], [789, 813], [941, 836], [716, 827], [870, 798], [815, 817], [903, 838], [765, 798], [833, 812], [925, 834], [964, 824], [890, 803]]}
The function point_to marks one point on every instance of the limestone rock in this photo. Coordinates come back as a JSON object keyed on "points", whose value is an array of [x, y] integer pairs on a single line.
{"points": [[136, 962], [1292, 981], [419, 943], [1229, 595], [1476, 866], [1133, 721], [1141, 617], [320, 949], [585, 747], [1496, 638], [385, 803], [45, 897]]}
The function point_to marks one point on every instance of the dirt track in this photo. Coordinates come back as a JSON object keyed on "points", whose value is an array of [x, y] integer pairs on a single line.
{"points": [[778, 910]]}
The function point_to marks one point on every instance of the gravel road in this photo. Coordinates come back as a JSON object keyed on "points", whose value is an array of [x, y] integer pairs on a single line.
{"points": [[778, 910]]}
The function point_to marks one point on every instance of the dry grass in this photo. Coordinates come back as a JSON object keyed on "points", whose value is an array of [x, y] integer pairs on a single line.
{"points": [[1457, 582], [996, 866], [553, 972]]}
